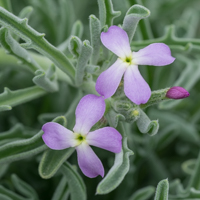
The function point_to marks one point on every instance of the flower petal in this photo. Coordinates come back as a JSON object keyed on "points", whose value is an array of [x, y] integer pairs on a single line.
{"points": [[106, 138], [57, 137], [88, 112], [157, 54], [108, 81], [135, 87], [116, 40], [88, 161]]}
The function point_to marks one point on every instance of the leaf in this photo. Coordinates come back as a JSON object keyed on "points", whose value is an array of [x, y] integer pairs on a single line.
{"points": [[133, 16], [47, 80], [75, 182], [16, 132], [23, 188], [120, 168], [10, 98], [13, 47], [143, 194], [36, 41], [162, 190], [107, 13], [62, 190], [75, 46], [194, 181], [86, 52], [6, 4], [145, 125], [52, 160], [21, 149], [95, 31]]}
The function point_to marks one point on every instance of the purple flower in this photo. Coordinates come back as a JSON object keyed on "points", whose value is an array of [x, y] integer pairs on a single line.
{"points": [[135, 87], [177, 92], [89, 111]]}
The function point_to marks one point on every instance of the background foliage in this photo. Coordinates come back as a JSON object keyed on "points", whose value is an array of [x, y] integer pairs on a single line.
{"points": [[169, 158]]}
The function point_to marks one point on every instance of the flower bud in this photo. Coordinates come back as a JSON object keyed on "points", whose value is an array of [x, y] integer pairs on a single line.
{"points": [[177, 92]]}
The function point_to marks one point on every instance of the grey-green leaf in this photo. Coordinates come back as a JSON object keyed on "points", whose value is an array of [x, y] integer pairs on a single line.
{"points": [[52, 160], [62, 190], [143, 194], [76, 185], [145, 125], [10, 98], [133, 16], [47, 80], [13, 47], [120, 168], [24, 188], [83, 59], [95, 31], [162, 190]]}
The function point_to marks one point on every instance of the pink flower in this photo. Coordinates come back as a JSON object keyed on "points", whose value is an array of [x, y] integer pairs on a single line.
{"points": [[177, 92], [135, 87], [89, 111]]}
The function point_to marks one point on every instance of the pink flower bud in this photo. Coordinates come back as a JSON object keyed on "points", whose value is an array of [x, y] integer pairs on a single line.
{"points": [[177, 92]]}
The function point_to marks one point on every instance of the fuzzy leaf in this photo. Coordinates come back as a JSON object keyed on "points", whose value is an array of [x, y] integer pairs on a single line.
{"points": [[25, 148], [107, 13], [12, 47], [95, 31], [143, 194], [62, 190], [120, 168], [133, 16], [75, 46], [145, 125], [75, 182], [23, 188], [13, 98], [52, 160], [194, 181], [83, 59], [162, 190], [48, 80], [26, 12], [36, 41], [6, 4]]}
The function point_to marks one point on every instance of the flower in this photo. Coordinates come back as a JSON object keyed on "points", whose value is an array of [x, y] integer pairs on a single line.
{"points": [[135, 87], [89, 111], [177, 92]]}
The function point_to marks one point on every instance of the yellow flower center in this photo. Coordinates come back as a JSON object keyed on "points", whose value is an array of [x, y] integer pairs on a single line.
{"points": [[79, 138]]}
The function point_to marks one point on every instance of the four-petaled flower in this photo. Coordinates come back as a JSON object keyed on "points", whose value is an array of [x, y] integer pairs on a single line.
{"points": [[135, 87], [89, 111]]}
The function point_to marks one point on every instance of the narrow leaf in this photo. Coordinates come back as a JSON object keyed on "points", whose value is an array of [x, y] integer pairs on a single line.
{"points": [[52, 160], [120, 168], [12, 98], [24, 188], [95, 31], [62, 190], [75, 182], [47, 80], [13, 47], [162, 190], [145, 125], [133, 16], [36, 41], [83, 59], [143, 194]]}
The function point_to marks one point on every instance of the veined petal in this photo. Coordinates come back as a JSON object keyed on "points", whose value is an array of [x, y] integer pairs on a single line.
{"points": [[88, 161], [108, 81], [57, 137], [116, 40], [157, 54], [135, 87], [106, 138], [88, 112]]}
